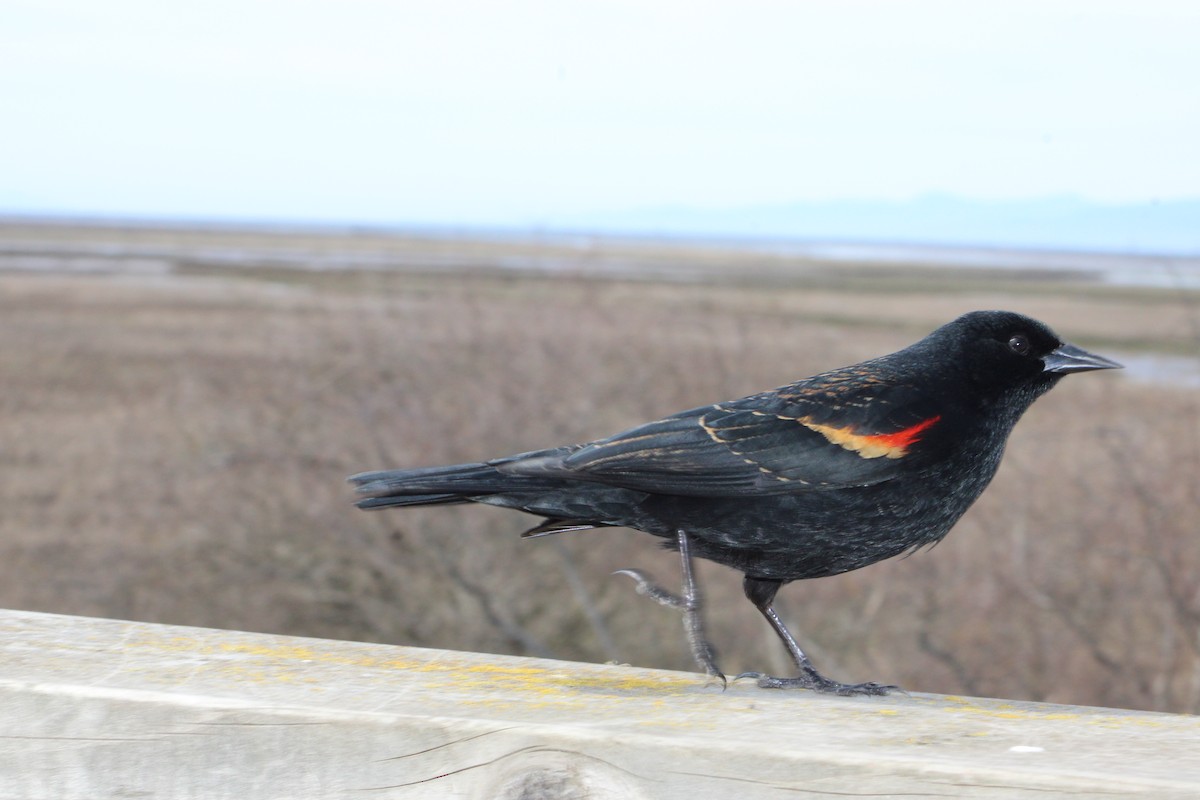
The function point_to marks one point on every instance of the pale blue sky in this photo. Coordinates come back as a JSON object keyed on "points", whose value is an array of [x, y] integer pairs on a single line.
{"points": [[497, 113]]}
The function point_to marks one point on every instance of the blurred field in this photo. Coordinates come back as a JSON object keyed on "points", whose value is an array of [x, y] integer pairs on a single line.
{"points": [[176, 429]]}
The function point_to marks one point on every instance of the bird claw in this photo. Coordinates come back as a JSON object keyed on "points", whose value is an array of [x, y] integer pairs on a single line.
{"points": [[819, 683], [652, 590], [701, 650]]}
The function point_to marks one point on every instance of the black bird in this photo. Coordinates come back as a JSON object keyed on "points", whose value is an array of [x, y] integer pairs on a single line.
{"points": [[820, 477]]}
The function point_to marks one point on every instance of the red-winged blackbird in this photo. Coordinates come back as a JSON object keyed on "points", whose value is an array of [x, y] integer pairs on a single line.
{"points": [[820, 477]]}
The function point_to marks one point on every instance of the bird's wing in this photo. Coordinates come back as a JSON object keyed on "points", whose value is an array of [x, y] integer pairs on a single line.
{"points": [[839, 429]]}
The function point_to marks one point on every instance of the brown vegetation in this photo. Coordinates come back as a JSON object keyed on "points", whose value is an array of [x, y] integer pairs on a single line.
{"points": [[173, 450]]}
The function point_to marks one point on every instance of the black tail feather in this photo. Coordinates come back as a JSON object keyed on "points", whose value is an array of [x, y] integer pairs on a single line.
{"points": [[458, 483], [371, 503]]}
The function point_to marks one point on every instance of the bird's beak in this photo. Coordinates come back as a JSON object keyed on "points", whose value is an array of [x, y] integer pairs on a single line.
{"points": [[1069, 358]]}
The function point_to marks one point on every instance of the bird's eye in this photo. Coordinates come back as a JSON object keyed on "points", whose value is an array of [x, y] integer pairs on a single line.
{"points": [[1019, 344]]}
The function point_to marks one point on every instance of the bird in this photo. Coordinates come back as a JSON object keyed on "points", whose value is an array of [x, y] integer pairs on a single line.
{"points": [[826, 475]]}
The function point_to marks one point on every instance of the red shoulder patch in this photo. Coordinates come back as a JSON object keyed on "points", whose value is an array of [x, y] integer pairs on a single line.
{"points": [[886, 445]]}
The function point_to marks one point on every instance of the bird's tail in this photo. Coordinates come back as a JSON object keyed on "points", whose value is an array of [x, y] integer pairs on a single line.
{"points": [[425, 486]]}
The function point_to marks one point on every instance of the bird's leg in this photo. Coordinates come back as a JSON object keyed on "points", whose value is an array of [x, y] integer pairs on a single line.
{"points": [[693, 621], [690, 603], [762, 593]]}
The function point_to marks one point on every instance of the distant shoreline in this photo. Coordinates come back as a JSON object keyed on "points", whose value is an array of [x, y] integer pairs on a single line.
{"points": [[91, 244]]}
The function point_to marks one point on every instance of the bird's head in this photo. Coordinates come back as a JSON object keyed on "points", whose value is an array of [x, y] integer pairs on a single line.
{"points": [[1010, 356]]}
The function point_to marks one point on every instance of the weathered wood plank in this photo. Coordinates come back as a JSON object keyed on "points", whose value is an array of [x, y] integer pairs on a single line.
{"points": [[101, 708]]}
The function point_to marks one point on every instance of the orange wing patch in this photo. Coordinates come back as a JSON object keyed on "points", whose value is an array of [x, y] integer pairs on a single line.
{"points": [[886, 445]]}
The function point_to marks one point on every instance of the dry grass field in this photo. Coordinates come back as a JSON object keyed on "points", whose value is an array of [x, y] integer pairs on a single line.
{"points": [[173, 445]]}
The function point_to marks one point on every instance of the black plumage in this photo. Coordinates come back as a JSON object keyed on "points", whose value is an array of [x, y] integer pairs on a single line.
{"points": [[822, 476]]}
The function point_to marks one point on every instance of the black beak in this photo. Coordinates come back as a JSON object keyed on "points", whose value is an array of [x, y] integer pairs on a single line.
{"points": [[1069, 358]]}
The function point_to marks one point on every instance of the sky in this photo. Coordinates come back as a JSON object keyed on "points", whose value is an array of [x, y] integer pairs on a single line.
{"points": [[481, 113]]}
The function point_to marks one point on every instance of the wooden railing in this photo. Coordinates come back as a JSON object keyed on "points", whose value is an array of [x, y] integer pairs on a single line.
{"points": [[95, 708]]}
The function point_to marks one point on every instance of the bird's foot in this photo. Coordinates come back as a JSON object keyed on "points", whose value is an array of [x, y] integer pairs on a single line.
{"points": [[702, 651], [819, 683], [647, 587]]}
